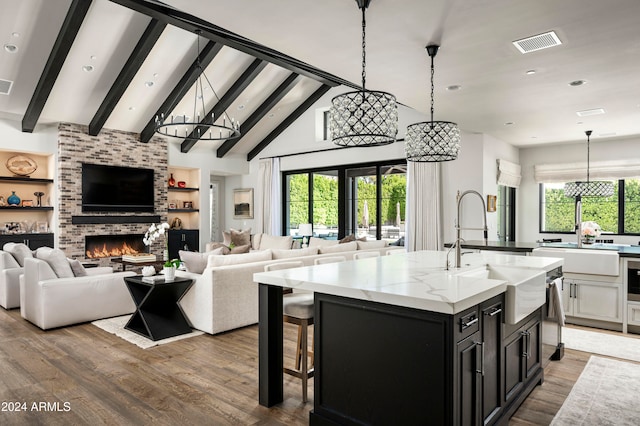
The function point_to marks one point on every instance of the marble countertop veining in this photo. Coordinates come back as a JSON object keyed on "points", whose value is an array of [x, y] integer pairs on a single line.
{"points": [[415, 280]]}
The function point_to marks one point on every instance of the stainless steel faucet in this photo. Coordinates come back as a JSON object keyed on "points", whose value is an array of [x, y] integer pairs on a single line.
{"points": [[578, 227], [460, 228]]}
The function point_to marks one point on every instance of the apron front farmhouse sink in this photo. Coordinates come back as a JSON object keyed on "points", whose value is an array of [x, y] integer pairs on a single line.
{"points": [[526, 288], [584, 261]]}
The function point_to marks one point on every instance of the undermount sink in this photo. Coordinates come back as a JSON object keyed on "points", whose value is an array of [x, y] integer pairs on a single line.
{"points": [[526, 288]]}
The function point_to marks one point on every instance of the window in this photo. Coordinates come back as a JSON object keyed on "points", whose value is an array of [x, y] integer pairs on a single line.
{"points": [[365, 200], [506, 213], [618, 214]]}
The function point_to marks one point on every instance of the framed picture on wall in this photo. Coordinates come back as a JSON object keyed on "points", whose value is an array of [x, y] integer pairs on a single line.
{"points": [[491, 203], [243, 203]]}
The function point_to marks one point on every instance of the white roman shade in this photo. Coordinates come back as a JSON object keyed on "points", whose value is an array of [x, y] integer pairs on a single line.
{"points": [[508, 173], [599, 170]]}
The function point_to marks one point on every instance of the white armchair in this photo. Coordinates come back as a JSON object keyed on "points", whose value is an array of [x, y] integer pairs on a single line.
{"points": [[10, 272], [48, 301]]}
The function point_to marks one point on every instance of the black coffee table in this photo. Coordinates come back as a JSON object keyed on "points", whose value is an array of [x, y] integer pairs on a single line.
{"points": [[158, 314]]}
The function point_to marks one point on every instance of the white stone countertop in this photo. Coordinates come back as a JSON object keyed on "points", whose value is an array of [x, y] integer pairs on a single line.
{"points": [[415, 280]]}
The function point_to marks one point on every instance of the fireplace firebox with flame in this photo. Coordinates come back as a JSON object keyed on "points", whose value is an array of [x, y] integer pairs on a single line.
{"points": [[98, 246]]}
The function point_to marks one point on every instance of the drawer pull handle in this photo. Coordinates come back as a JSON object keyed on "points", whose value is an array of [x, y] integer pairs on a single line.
{"points": [[470, 323], [495, 312]]}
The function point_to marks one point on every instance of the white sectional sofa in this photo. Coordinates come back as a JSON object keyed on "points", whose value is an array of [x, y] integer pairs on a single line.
{"points": [[10, 272], [49, 300], [224, 295]]}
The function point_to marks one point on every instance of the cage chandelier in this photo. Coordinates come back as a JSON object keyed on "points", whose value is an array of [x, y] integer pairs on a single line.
{"points": [[589, 188], [432, 141], [363, 117], [200, 125]]}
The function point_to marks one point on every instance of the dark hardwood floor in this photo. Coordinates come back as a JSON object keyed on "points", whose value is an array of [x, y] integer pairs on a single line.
{"points": [[88, 376]]}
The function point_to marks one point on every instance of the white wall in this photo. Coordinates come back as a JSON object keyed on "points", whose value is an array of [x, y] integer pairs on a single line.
{"points": [[528, 193], [44, 139]]}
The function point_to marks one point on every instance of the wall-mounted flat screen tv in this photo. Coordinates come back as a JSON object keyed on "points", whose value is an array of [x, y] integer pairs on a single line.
{"points": [[117, 189]]}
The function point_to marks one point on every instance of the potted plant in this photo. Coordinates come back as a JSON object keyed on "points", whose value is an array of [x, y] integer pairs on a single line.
{"points": [[169, 269]]}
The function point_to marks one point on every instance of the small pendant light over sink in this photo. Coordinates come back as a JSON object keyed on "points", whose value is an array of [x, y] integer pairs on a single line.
{"points": [[588, 188], [432, 141], [363, 117]]}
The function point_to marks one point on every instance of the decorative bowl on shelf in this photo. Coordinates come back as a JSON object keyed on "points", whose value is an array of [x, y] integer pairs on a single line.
{"points": [[21, 165], [182, 184]]}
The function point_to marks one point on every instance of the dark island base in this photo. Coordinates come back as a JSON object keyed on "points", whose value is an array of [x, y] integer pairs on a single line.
{"points": [[383, 364]]}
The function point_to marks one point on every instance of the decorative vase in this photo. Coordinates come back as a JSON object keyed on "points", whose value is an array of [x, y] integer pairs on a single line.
{"points": [[13, 199], [169, 273], [172, 181], [147, 271], [588, 239], [165, 254]]}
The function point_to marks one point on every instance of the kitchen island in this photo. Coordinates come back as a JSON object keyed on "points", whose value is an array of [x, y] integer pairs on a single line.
{"points": [[398, 339]]}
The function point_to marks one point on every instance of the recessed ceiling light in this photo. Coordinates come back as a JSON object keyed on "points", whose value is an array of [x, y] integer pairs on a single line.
{"points": [[271, 115], [530, 72], [15, 34], [87, 68], [93, 57], [155, 75], [509, 123], [454, 87], [241, 106], [588, 112], [11, 48], [148, 83], [132, 108], [576, 83]]}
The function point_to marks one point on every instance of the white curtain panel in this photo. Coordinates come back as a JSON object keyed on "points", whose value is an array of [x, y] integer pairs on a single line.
{"points": [[424, 206], [269, 219], [275, 224]]}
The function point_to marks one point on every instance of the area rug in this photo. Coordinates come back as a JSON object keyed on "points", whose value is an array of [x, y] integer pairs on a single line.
{"points": [[601, 343], [606, 393], [116, 325]]}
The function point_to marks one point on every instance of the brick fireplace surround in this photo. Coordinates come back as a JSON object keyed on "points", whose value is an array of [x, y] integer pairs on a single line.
{"points": [[112, 147]]}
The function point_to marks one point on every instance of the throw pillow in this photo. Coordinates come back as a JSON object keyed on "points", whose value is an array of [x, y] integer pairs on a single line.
{"points": [[235, 259], [19, 251], [77, 268], [337, 248], [255, 241], [347, 239], [372, 244], [240, 249], [226, 238], [319, 242], [275, 242], [240, 238], [213, 246], [57, 260], [287, 254], [196, 262]]}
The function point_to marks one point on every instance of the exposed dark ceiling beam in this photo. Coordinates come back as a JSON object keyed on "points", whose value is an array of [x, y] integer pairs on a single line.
{"points": [[260, 112], [64, 41], [206, 56], [288, 121], [227, 99], [192, 23], [136, 59]]}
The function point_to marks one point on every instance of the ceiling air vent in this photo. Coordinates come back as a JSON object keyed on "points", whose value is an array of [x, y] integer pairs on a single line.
{"points": [[5, 86], [537, 42], [588, 112]]}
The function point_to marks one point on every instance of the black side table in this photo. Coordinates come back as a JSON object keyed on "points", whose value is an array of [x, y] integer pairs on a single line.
{"points": [[158, 314]]}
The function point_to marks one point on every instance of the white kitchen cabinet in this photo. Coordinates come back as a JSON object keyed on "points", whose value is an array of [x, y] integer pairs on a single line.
{"points": [[633, 313], [595, 300]]}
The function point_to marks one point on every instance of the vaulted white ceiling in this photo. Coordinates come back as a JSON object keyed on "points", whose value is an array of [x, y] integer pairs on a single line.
{"points": [[600, 45]]}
